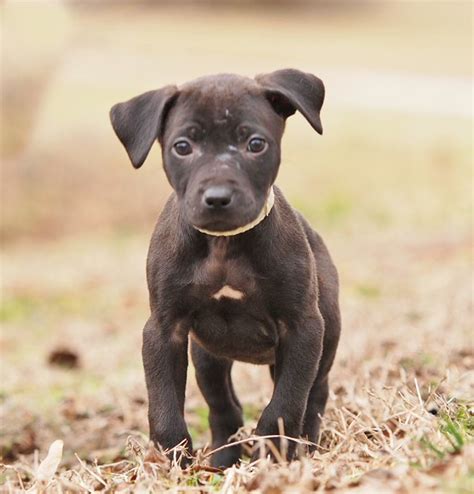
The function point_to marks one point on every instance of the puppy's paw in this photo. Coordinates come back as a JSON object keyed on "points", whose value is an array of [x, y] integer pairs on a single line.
{"points": [[226, 457], [179, 449], [276, 434], [277, 449]]}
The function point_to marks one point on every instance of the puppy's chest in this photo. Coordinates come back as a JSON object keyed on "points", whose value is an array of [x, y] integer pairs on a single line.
{"points": [[230, 315], [224, 275]]}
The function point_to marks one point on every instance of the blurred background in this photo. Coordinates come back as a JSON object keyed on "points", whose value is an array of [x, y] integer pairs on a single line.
{"points": [[388, 185]]}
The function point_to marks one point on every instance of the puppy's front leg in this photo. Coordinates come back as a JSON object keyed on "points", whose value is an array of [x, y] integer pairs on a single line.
{"points": [[165, 359], [296, 365]]}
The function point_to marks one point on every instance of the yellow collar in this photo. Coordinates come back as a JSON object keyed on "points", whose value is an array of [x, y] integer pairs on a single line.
{"points": [[262, 215]]}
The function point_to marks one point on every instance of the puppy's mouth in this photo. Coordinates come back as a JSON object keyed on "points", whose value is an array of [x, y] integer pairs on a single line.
{"points": [[219, 226], [233, 217], [221, 221]]}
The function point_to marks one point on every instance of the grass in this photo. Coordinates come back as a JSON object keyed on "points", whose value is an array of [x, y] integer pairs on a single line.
{"points": [[399, 410], [457, 430], [389, 192]]}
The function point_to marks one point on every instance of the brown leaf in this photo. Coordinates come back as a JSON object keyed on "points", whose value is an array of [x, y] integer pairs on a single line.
{"points": [[64, 357], [152, 455]]}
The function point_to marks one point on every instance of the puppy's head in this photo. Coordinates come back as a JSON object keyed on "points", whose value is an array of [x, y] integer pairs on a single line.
{"points": [[220, 139]]}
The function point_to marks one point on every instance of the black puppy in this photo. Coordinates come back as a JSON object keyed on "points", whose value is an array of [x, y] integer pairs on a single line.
{"points": [[232, 268]]}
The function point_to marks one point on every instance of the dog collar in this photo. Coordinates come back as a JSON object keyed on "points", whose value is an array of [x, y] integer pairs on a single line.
{"points": [[262, 215]]}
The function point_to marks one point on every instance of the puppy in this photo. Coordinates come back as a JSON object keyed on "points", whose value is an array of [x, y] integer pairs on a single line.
{"points": [[232, 269]]}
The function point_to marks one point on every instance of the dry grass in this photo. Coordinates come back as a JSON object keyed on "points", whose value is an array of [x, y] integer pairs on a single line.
{"points": [[389, 191], [399, 415]]}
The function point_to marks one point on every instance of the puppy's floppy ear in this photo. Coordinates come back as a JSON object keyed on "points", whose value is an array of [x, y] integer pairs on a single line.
{"points": [[289, 90], [138, 122]]}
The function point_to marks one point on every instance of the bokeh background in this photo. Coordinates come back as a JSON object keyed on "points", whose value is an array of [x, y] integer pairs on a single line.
{"points": [[388, 185]]}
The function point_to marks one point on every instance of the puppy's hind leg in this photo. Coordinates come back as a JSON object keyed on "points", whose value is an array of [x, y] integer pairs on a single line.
{"points": [[318, 395], [317, 399], [225, 412]]}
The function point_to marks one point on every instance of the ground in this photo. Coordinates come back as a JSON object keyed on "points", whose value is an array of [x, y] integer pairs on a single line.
{"points": [[388, 189]]}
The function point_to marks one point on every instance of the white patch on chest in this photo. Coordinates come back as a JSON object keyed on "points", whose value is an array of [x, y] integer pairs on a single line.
{"points": [[228, 292]]}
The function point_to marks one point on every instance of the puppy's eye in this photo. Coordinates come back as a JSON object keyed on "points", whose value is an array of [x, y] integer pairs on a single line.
{"points": [[183, 148], [256, 145]]}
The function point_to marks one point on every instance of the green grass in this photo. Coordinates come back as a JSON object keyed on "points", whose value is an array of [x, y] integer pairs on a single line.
{"points": [[457, 430]]}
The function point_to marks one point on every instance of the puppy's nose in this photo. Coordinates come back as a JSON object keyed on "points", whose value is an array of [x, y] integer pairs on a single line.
{"points": [[217, 197]]}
